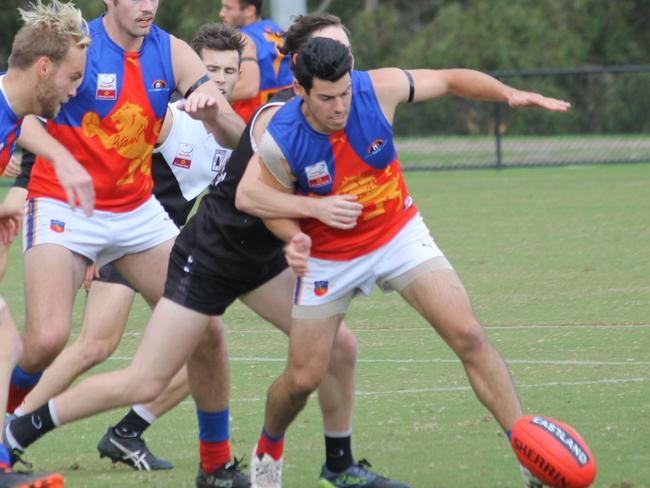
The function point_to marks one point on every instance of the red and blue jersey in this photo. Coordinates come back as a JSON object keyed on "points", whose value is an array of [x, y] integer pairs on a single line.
{"points": [[9, 128], [275, 67], [359, 160], [113, 122]]}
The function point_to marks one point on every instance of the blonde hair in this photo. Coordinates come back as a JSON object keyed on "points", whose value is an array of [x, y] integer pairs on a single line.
{"points": [[49, 30]]}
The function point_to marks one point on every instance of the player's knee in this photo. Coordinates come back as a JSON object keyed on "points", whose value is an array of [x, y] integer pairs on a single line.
{"points": [[93, 353], [42, 348], [468, 340], [146, 390], [303, 383], [345, 348]]}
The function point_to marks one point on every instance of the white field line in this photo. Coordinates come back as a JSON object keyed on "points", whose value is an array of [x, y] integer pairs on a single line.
{"points": [[563, 362], [271, 330], [450, 389]]}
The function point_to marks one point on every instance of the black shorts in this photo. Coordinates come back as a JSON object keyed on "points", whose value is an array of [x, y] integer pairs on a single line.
{"points": [[196, 284], [109, 274]]}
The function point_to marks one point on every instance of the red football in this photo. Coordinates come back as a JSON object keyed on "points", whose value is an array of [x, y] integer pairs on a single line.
{"points": [[553, 452]]}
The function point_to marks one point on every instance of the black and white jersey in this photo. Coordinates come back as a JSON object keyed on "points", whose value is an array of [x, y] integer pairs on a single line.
{"points": [[185, 164], [220, 238]]}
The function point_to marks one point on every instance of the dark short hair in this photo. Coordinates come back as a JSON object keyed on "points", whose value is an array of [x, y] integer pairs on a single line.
{"points": [[302, 29], [322, 58], [219, 37], [255, 3]]}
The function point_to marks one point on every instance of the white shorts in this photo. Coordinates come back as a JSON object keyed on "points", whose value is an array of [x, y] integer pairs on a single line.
{"points": [[328, 286], [103, 237]]}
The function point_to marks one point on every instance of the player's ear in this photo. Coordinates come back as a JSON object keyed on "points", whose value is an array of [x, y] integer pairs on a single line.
{"points": [[298, 89], [44, 66]]}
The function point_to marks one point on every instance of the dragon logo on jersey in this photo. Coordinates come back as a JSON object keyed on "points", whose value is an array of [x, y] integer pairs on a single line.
{"points": [[277, 40], [373, 192], [320, 288], [127, 139]]}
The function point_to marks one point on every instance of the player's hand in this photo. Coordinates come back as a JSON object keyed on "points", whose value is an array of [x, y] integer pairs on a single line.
{"points": [[297, 252], [520, 99], [9, 224], [77, 184], [200, 106], [339, 211], [13, 167]]}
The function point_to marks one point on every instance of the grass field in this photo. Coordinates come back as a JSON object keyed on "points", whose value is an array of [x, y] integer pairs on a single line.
{"points": [[557, 262]]}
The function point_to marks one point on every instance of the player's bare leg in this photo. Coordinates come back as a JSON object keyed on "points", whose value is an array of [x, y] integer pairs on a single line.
{"points": [[105, 316], [310, 349], [53, 274], [273, 301], [209, 380], [147, 270], [440, 297]]}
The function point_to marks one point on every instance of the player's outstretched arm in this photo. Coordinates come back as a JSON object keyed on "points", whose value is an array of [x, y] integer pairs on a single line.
{"points": [[75, 180], [191, 76], [394, 86]]}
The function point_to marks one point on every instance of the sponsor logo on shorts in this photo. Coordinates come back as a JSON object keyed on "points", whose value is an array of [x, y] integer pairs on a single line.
{"points": [[318, 174], [57, 225], [106, 86], [320, 288], [184, 153]]}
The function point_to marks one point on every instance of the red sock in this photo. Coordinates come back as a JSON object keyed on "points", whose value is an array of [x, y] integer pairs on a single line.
{"points": [[16, 396], [273, 446], [214, 455]]}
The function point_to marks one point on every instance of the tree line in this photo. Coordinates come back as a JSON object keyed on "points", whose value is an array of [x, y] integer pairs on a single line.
{"points": [[488, 35]]}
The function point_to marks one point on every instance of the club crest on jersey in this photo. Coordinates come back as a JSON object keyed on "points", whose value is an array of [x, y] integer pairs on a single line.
{"points": [[219, 166], [57, 226], [320, 288], [318, 174], [375, 146], [159, 85], [184, 153], [106, 86]]}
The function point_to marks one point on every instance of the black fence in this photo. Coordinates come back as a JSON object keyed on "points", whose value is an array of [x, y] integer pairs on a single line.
{"points": [[609, 122]]}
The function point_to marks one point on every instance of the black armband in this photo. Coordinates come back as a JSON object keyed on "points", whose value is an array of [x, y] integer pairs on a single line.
{"points": [[411, 86], [198, 83]]}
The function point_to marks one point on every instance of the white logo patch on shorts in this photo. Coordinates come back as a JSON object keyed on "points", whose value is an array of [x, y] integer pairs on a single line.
{"points": [[318, 174], [106, 86]]}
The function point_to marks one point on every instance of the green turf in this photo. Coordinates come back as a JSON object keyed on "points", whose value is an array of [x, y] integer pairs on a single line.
{"points": [[556, 261]]}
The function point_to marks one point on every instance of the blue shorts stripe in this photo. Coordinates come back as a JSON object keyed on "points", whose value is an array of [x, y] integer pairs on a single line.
{"points": [[297, 290], [31, 223]]}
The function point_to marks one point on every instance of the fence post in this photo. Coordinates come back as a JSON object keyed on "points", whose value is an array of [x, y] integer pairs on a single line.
{"points": [[497, 133]]}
